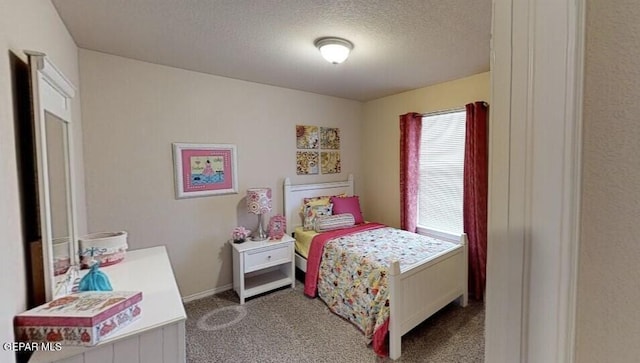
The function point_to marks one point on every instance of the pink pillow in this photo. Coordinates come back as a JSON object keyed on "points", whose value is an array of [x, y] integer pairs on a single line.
{"points": [[348, 205]]}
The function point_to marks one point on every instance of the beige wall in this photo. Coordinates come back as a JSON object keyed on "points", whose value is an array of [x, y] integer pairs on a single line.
{"points": [[133, 111], [381, 138], [608, 318], [34, 25]]}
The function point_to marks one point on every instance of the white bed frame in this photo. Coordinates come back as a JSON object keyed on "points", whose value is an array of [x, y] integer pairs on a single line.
{"points": [[417, 291]]}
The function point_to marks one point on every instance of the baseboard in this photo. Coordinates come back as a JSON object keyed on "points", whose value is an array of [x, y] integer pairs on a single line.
{"points": [[206, 293]]}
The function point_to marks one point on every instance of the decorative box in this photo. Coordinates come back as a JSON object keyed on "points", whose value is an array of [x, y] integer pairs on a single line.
{"points": [[108, 248], [83, 318]]}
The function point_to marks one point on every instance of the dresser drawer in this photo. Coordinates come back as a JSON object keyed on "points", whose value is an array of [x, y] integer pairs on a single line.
{"points": [[265, 257]]}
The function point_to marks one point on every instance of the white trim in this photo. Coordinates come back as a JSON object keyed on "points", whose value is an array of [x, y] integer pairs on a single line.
{"points": [[301, 262], [57, 79], [51, 93], [535, 134], [447, 236], [503, 322], [206, 293], [53, 85], [573, 181]]}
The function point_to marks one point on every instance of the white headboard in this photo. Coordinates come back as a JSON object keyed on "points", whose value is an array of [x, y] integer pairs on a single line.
{"points": [[294, 194]]}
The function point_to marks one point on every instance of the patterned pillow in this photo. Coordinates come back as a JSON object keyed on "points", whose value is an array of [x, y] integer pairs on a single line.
{"points": [[335, 221], [316, 200], [311, 212], [325, 199], [321, 200]]}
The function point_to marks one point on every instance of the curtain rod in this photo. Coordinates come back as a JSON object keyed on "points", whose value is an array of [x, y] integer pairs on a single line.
{"points": [[440, 112], [451, 110]]}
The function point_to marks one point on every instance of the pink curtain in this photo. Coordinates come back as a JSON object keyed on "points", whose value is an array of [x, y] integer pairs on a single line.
{"points": [[475, 195], [410, 131]]}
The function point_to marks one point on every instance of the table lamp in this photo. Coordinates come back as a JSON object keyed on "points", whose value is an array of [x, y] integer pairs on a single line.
{"points": [[259, 202]]}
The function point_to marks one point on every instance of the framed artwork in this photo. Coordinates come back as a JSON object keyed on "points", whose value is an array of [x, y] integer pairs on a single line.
{"points": [[307, 137], [330, 162], [204, 169], [306, 162], [277, 227], [330, 138]]}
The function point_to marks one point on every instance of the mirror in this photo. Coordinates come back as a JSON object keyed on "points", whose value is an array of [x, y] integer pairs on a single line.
{"points": [[59, 209], [51, 98]]}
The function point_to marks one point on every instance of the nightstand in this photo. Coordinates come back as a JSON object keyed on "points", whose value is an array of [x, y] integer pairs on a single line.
{"points": [[262, 266]]}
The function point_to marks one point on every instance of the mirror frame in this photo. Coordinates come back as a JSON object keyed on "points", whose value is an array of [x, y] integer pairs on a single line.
{"points": [[51, 92]]}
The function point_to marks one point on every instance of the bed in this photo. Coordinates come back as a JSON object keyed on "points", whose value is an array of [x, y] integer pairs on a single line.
{"points": [[416, 289]]}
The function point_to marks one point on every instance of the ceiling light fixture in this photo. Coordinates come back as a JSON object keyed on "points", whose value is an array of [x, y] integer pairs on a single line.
{"points": [[334, 50]]}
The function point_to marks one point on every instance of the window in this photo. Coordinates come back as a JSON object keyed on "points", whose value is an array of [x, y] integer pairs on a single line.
{"points": [[441, 173]]}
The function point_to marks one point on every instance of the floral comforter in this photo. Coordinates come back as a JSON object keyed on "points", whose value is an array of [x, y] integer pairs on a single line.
{"points": [[352, 277]]}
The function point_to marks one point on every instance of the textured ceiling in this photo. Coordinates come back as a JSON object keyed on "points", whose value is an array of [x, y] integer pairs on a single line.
{"points": [[399, 44]]}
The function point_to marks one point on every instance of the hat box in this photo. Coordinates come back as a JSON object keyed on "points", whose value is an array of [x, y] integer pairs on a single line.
{"points": [[108, 248], [61, 258]]}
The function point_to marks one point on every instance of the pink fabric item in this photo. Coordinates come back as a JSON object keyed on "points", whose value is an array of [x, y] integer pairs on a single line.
{"points": [[315, 253], [349, 205], [476, 181], [410, 133], [380, 339]]}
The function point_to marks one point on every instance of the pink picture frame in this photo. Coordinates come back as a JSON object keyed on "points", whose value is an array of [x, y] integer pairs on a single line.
{"points": [[204, 169], [277, 227]]}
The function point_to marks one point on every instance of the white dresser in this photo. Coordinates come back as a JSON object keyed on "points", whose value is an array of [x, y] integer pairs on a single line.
{"points": [[159, 334]]}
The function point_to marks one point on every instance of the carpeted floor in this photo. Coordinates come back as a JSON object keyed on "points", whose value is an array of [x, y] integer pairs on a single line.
{"points": [[286, 326]]}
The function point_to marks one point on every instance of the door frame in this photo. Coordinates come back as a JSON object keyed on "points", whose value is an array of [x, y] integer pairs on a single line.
{"points": [[537, 55]]}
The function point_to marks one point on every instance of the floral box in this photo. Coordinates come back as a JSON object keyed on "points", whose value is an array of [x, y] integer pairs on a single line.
{"points": [[82, 318]]}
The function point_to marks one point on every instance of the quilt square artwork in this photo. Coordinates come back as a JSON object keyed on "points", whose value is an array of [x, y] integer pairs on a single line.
{"points": [[204, 169], [306, 162], [330, 162], [330, 138], [307, 137]]}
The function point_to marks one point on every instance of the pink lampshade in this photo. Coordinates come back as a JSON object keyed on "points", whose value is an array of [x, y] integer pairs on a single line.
{"points": [[259, 200]]}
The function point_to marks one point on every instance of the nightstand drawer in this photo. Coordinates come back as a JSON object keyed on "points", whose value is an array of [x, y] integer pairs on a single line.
{"points": [[265, 257]]}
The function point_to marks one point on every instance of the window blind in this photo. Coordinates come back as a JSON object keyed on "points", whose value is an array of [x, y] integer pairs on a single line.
{"points": [[441, 172]]}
